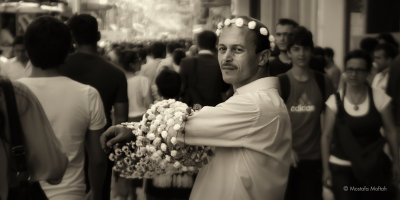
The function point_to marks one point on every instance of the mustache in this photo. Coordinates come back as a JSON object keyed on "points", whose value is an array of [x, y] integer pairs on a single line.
{"points": [[225, 64]]}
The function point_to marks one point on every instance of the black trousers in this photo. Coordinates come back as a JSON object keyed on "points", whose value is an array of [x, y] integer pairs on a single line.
{"points": [[305, 181], [345, 186]]}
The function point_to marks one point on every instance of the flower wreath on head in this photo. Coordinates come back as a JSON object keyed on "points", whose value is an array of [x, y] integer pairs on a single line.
{"points": [[239, 22]]}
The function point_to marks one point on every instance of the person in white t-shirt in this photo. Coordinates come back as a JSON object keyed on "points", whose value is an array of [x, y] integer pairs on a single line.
{"points": [[18, 66], [74, 110], [384, 54]]}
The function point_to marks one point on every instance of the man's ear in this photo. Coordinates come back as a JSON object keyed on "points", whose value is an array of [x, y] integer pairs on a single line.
{"points": [[263, 56]]}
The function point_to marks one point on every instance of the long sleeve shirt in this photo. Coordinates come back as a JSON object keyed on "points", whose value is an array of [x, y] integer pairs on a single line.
{"points": [[252, 138]]}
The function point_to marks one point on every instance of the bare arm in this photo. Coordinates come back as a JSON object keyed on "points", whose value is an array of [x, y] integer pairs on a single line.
{"points": [[391, 137], [326, 139], [97, 163], [121, 112]]}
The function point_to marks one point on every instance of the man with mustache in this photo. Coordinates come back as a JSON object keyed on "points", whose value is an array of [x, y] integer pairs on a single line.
{"points": [[250, 131]]}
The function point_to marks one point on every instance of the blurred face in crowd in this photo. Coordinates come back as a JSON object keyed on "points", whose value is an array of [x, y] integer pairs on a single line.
{"points": [[356, 71], [237, 56], [20, 53], [282, 35], [381, 60], [300, 55]]}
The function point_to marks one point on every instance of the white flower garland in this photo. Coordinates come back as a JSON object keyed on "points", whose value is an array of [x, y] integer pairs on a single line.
{"points": [[156, 149]]}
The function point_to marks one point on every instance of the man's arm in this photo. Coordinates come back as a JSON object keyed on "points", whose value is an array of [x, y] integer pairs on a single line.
{"points": [[96, 163]]}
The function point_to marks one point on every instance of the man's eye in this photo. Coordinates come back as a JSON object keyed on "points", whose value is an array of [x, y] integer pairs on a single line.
{"points": [[238, 50], [221, 49]]}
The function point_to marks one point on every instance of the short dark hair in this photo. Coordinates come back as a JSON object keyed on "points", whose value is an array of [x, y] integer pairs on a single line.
{"points": [[207, 40], [287, 21], [301, 36], [368, 44], [171, 46], [390, 50], [158, 50], [18, 40], [388, 38], [127, 57], [329, 52], [178, 55], [47, 41], [361, 54], [84, 29], [168, 83]]}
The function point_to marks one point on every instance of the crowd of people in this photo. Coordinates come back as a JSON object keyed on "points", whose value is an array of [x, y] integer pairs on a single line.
{"points": [[285, 122]]}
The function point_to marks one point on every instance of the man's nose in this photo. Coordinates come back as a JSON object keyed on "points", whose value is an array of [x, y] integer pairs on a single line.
{"points": [[228, 56]]}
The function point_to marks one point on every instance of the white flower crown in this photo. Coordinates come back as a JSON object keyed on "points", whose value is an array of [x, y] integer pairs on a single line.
{"points": [[239, 22]]}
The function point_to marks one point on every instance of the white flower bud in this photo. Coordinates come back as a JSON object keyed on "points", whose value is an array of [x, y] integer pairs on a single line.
{"points": [[227, 22], [252, 25], [263, 31], [177, 164], [163, 147], [174, 153], [173, 140], [239, 22], [151, 136], [164, 134], [177, 127], [220, 24]]}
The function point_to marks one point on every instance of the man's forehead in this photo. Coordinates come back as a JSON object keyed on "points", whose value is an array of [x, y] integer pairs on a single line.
{"points": [[235, 35]]}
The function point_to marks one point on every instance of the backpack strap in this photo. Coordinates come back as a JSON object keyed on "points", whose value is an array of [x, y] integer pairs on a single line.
{"points": [[320, 79], [17, 147], [285, 86]]}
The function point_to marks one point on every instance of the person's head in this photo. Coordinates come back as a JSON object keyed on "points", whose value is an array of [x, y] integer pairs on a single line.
{"points": [[169, 84], [47, 41], [368, 44], [84, 29], [357, 66], [283, 32], [178, 55], [243, 50], [329, 54], [158, 50], [142, 53], [387, 38], [171, 46], [19, 50], [129, 60], [207, 40], [384, 54], [300, 48]]}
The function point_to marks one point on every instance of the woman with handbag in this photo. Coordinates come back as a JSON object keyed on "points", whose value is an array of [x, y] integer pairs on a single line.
{"points": [[354, 164]]}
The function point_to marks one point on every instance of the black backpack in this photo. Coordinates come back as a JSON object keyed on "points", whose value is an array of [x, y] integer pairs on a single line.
{"points": [[285, 86]]}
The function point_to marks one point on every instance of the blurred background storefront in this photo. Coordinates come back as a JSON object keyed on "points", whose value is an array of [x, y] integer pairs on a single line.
{"points": [[339, 24]]}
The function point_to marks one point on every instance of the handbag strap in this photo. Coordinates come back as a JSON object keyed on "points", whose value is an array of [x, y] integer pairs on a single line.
{"points": [[18, 151]]}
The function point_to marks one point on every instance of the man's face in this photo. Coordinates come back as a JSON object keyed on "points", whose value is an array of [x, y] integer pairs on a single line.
{"points": [[20, 53], [300, 55], [237, 56], [282, 35], [381, 60]]}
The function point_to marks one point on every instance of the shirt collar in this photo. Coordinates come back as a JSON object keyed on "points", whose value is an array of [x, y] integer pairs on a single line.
{"points": [[205, 51], [259, 84]]}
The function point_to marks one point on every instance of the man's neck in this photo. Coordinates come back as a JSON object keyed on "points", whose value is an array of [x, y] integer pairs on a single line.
{"points": [[39, 72], [300, 73], [90, 49], [283, 57]]}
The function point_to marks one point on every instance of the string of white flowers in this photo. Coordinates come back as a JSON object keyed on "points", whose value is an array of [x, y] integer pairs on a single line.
{"points": [[239, 22], [156, 149]]}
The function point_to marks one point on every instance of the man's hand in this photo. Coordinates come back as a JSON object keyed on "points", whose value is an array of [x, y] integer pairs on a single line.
{"points": [[115, 134]]}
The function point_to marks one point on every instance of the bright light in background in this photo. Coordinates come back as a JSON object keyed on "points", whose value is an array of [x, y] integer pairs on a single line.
{"points": [[103, 1]]}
